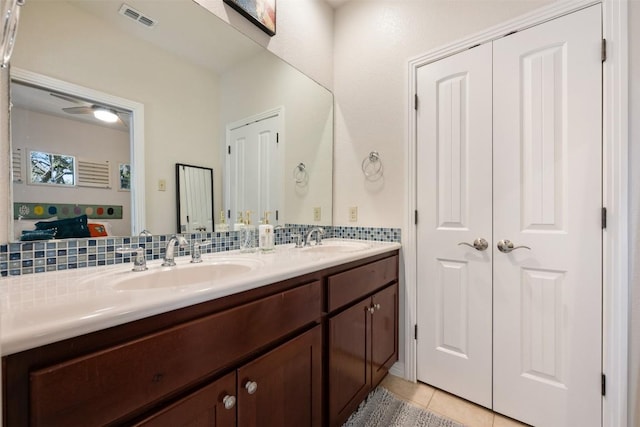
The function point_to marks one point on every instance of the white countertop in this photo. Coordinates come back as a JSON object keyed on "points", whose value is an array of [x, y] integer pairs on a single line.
{"points": [[38, 309]]}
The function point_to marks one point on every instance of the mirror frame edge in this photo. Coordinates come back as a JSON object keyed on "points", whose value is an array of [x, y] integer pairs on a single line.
{"points": [[6, 182], [136, 135]]}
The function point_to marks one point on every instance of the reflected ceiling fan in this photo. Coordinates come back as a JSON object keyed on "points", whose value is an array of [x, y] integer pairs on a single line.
{"points": [[100, 112]]}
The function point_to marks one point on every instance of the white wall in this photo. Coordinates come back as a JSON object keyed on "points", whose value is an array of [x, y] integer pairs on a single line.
{"points": [[58, 135], [176, 94], [304, 34], [374, 40], [634, 215]]}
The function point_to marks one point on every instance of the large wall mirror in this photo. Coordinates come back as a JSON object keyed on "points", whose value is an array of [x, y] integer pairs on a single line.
{"points": [[193, 76]]}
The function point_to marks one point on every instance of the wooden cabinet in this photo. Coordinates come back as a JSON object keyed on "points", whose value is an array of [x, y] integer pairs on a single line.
{"points": [[363, 338], [281, 388], [213, 405], [265, 357], [92, 387]]}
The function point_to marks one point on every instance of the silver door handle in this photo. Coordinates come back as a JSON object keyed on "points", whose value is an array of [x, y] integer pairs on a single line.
{"points": [[479, 244], [506, 246]]}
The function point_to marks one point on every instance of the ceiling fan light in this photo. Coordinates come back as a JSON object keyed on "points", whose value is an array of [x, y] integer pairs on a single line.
{"points": [[105, 115]]}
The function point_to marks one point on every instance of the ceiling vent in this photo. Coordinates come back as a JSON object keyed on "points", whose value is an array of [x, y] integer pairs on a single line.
{"points": [[129, 12]]}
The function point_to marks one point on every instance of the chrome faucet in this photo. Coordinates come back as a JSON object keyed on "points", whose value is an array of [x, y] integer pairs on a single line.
{"points": [[168, 252], [139, 260], [319, 233], [196, 252]]}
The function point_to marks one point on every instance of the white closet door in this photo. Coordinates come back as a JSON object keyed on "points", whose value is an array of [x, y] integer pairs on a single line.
{"points": [[253, 173], [454, 202], [548, 196]]}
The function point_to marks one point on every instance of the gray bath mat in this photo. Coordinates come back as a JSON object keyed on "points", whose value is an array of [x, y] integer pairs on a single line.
{"points": [[383, 409]]}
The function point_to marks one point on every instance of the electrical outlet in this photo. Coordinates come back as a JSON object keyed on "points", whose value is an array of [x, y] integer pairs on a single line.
{"points": [[162, 185], [317, 214], [353, 213]]}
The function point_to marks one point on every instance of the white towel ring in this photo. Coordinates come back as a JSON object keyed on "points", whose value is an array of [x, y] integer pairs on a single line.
{"points": [[300, 174], [372, 166]]}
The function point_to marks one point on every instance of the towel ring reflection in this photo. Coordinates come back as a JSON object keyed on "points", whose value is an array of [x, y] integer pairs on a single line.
{"points": [[372, 166], [300, 173]]}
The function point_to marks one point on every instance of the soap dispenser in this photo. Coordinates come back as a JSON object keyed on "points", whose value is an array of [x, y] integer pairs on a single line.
{"points": [[239, 222], [247, 235], [266, 240], [223, 226]]}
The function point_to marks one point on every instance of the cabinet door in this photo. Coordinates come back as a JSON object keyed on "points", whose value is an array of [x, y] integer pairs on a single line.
{"points": [[205, 407], [384, 332], [283, 387], [349, 360]]}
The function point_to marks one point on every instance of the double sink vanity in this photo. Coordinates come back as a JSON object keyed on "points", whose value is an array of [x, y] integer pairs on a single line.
{"points": [[295, 337]]}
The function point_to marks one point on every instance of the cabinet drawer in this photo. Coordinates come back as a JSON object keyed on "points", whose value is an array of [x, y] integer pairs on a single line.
{"points": [[346, 287], [104, 386]]}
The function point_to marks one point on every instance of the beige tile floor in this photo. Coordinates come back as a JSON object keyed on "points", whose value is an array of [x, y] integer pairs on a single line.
{"points": [[447, 405]]}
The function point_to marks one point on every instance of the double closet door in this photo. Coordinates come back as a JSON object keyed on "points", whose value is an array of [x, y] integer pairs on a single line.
{"points": [[509, 243]]}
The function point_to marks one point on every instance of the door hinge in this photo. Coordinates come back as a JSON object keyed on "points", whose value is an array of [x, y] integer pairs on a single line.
{"points": [[229, 149], [604, 385], [603, 54], [415, 101], [604, 218], [277, 215], [277, 138], [228, 213], [415, 217], [415, 331]]}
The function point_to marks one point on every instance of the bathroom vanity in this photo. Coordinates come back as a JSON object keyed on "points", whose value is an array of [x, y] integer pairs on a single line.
{"points": [[299, 340]]}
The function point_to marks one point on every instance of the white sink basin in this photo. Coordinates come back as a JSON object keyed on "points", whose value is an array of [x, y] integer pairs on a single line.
{"points": [[185, 275], [337, 247]]}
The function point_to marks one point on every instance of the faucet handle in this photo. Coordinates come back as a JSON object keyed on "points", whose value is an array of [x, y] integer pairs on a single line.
{"points": [[182, 241], [319, 235], [299, 238], [196, 253], [145, 233], [139, 261]]}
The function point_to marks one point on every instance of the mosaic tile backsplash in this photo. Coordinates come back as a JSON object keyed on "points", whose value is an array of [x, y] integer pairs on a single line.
{"points": [[42, 256]]}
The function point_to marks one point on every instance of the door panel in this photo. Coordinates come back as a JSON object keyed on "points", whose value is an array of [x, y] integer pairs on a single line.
{"points": [[384, 337], [548, 197], [288, 385], [349, 351], [253, 170], [454, 201]]}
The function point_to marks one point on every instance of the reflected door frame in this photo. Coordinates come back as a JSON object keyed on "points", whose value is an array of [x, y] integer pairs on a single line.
{"points": [[615, 187], [136, 134], [277, 113]]}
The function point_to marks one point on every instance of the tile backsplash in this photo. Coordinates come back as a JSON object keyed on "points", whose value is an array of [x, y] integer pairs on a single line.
{"points": [[52, 255]]}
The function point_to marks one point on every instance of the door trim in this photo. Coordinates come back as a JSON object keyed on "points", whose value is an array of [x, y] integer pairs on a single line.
{"points": [[615, 261]]}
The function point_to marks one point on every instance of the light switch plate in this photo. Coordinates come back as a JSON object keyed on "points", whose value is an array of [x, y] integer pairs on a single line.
{"points": [[162, 185], [317, 214], [353, 213]]}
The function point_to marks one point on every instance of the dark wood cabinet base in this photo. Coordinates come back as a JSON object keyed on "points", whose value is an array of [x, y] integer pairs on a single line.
{"points": [[302, 352]]}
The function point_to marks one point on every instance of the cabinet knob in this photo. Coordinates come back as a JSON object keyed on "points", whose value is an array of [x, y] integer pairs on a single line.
{"points": [[371, 309], [251, 386], [229, 401], [376, 306]]}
